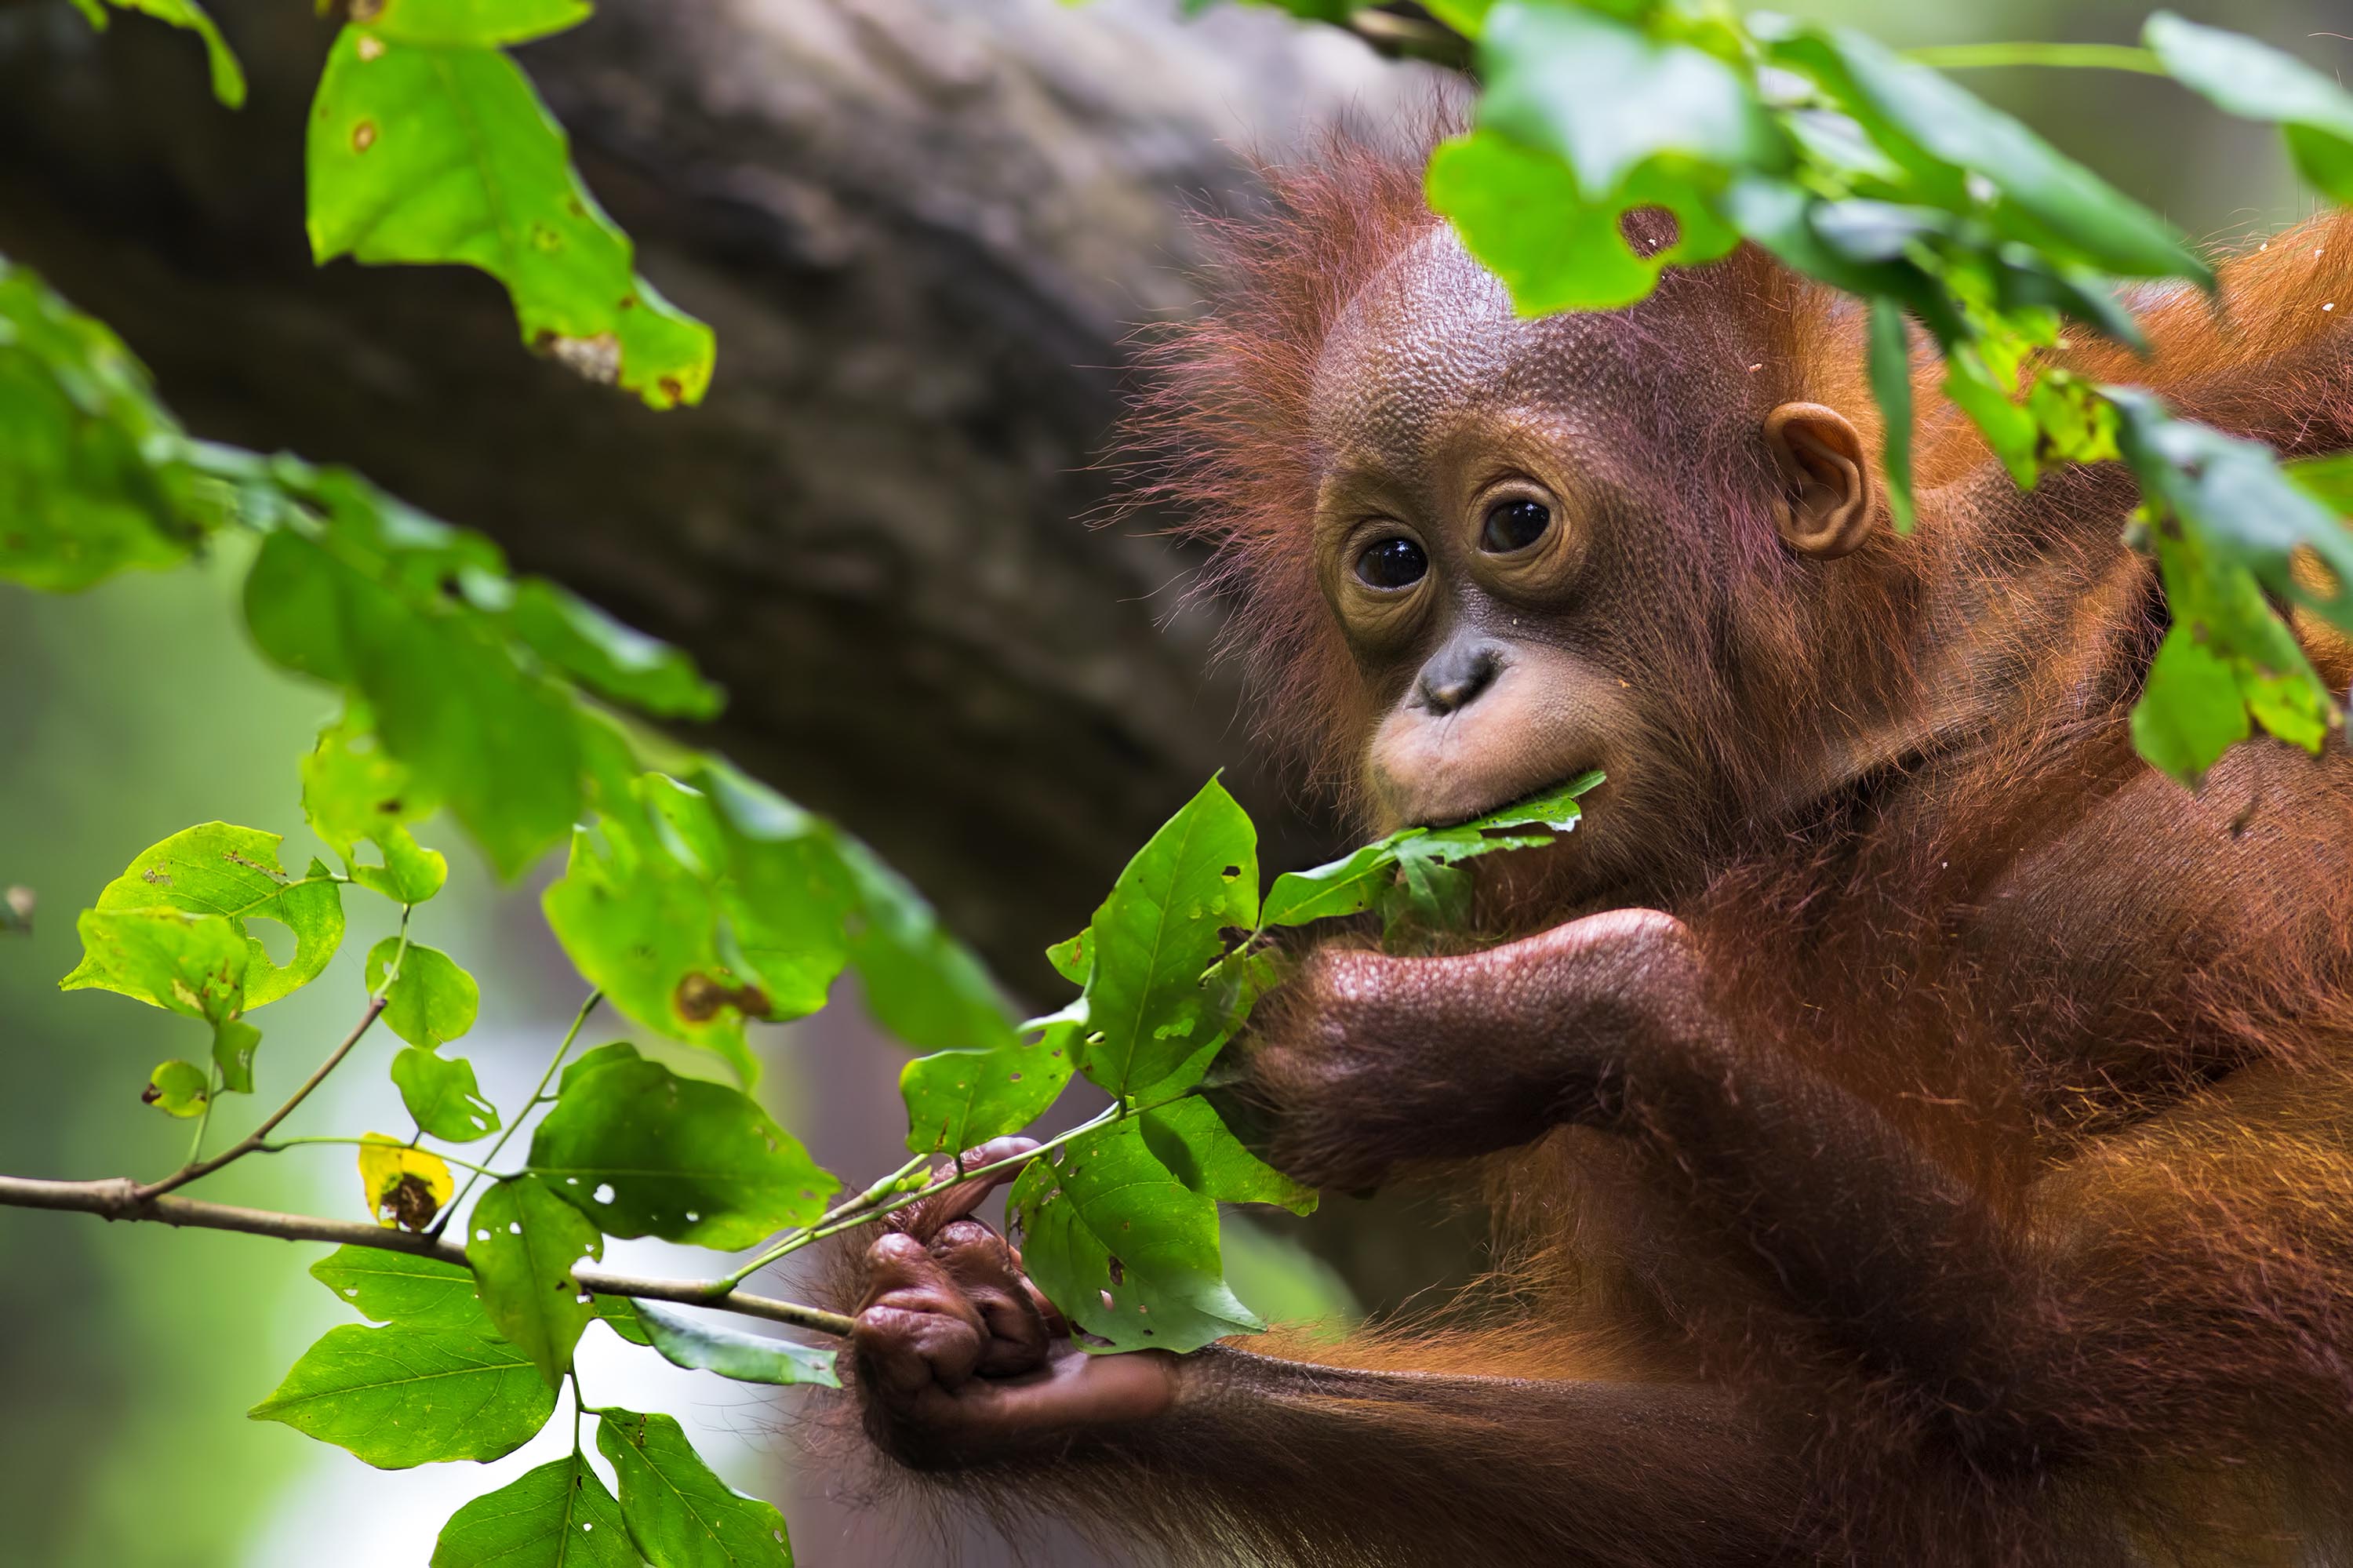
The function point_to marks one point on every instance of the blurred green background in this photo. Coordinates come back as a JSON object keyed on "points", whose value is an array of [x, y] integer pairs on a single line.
{"points": [[129, 1355]]}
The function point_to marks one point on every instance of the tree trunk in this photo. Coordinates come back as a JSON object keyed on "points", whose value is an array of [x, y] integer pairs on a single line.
{"points": [[922, 229]]}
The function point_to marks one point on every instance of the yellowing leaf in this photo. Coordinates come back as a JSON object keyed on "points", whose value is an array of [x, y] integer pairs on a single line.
{"points": [[406, 1187]]}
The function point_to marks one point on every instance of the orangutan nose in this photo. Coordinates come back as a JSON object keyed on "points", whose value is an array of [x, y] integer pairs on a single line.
{"points": [[1456, 674]]}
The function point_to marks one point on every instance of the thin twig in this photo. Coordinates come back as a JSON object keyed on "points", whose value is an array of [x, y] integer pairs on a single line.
{"points": [[121, 1198], [562, 1050], [253, 1141]]}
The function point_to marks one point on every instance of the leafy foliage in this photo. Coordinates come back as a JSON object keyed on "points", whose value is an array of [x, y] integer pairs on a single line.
{"points": [[679, 1514], [694, 1342], [642, 1151], [558, 1515], [1883, 177], [428, 143], [523, 1241], [228, 77], [696, 900]]}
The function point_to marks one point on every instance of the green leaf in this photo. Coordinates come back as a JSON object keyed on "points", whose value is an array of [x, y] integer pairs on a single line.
{"points": [[233, 1047], [1149, 1009], [441, 1094], [361, 604], [679, 1514], [2190, 711], [93, 479], [522, 1242], [354, 789], [2010, 429], [1191, 1140], [233, 872], [620, 1315], [1519, 211], [2254, 81], [960, 1099], [919, 981], [2044, 196], [1073, 958], [412, 1394], [608, 657], [1609, 100], [178, 1088], [636, 910], [477, 24], [1371, 876], [642, 1151], [194, 964], [398, 1288], [687, 1340], [2328, 480], [1124, 1247], [556, 1516], [1889, 362], [431, 1001], [2242, 505], [228, 77], [419, 154]]}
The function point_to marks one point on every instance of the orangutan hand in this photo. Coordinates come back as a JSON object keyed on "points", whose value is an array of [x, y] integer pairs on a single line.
{"points": [[958, 1358]]}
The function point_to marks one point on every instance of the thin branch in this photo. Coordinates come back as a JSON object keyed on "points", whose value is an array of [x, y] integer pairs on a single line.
{"points": [[2066, 57], [254, 1140], [123, 1199], [562, 1050]]}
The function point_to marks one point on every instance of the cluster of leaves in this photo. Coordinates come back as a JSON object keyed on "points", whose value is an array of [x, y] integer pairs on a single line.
{"points": [[427, 143], [694, 899], [1969, 235]]}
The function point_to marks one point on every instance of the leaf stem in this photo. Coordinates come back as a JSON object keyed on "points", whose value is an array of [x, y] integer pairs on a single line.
{"points": [[205, 1118], [2070, 56], [867, 1207], [281, 1145], [121, 1198], [563, 1049], [195, 1169]]}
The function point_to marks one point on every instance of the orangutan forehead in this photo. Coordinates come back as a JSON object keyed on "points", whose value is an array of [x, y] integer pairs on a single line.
{"points": [[1434, 334]]}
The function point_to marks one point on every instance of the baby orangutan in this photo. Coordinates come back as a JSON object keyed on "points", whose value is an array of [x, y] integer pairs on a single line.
{"points": [[1924, 1133]]}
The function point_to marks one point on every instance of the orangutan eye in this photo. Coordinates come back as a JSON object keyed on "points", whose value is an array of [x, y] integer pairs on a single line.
{"points": [[1513, 525], [1391, 563]]}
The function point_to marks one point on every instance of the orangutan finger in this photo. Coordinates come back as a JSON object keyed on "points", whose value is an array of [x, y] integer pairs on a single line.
{"points": [[952, 1203], [984, 1266], [916, 1325]]}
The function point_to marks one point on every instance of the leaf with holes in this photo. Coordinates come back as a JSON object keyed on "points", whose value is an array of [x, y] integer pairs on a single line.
{"points": [[1161, 926], [232, 873], [642, 1151], [194, 964], [521, 1242], [423, 154], [959, 1099], [1123, 1245], [441, 1094], [399, 1287]]}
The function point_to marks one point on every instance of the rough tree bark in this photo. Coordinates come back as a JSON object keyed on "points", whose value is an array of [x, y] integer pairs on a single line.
{"points": [[922, 229]]}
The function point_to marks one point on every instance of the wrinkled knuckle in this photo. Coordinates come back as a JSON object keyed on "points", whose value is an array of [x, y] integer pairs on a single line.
{"points": [[892, 1249]]}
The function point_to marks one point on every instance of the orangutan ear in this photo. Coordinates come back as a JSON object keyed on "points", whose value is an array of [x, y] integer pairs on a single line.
{"points": [[1826, 506]]}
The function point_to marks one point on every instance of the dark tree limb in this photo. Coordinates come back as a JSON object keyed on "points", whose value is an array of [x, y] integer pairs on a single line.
{"points": [[922, 228]]}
